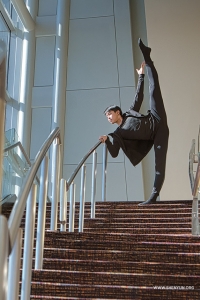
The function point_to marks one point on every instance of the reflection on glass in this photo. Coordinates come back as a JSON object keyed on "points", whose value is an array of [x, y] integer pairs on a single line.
{"points": [[15, 165]]}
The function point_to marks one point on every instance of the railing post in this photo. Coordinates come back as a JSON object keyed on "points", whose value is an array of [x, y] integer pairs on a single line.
{"points": [[55, 184], [14, 268], [3, 257], [72, 207], [41, 214], [28, 244], [104, 171], [82, 199], [93, 191], [2, 105], [63, 205], [195, 216]]}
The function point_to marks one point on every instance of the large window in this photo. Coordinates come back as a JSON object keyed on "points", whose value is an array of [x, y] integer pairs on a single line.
{"points": [[4, 33], [10, 28]]}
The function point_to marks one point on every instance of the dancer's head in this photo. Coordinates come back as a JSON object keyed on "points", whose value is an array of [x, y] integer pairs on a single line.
{"points": [[114, 114]]}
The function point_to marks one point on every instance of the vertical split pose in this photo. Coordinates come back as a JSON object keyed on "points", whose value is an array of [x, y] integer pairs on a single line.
{"points": [[137, 133]]}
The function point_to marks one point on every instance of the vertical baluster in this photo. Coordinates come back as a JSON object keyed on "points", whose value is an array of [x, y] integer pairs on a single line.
{"points": [[93, 191], [14, 268], [3, 257], [82, 199], [55, 184], [63, 205], [104, 171], [28, 244], [72, 207], [41, 214]]}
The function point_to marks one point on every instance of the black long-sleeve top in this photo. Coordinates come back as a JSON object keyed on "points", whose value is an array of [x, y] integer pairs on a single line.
{"points": [[135, 134]]}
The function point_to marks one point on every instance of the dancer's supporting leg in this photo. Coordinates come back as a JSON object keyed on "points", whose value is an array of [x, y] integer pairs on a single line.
{"points": [[161, 136]]}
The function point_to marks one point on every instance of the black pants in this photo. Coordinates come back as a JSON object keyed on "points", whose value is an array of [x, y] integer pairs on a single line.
{"points": [[161, 131]]}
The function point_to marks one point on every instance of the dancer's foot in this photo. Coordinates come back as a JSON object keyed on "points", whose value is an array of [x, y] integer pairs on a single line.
{"points": [[145, 50], [151, 200]]}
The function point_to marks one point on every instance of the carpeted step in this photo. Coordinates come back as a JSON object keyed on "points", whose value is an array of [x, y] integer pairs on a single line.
{"points": [[121, 267], [124, 246], [126, 252], [141, 292], [106, 278], [187, 238], [130, 256], [160, 230]]}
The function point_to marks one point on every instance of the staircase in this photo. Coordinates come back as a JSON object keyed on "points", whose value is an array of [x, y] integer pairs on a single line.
{"points": [[126, 252]]}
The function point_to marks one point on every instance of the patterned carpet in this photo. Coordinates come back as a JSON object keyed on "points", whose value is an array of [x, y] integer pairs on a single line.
{"points": [[126, 252]]}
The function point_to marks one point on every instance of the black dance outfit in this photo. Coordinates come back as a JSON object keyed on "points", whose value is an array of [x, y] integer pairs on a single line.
{"points": [[138, 133]]}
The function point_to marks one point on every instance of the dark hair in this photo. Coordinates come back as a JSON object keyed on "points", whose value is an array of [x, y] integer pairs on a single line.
{"points": [[113, 108]]}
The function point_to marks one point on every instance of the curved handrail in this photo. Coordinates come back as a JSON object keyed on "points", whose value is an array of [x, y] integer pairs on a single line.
{"points": [[19, 206], [70, 180]]}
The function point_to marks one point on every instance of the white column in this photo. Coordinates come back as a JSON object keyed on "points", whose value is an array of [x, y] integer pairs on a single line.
{"points": [[27, 78], [60, 73]]}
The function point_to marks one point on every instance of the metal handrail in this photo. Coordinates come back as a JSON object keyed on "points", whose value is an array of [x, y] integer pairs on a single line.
{"points": [[72, 177], [70, 186], [191, 162], [19, 206], [194, 182], [11, 232]]}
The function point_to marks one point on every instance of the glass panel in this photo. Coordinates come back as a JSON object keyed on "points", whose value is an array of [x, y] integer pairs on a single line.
{"points": [[15, 18], [11, 137], [15, 168], [4, 32], [7, 5]]}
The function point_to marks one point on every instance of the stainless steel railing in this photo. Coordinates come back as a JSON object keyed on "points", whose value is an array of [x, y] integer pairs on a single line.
{"points": [[195, 184], [70, 186], [11, 232]]}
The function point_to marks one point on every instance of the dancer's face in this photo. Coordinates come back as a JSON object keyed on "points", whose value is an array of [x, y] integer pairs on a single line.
{"points": [[113, 116]]}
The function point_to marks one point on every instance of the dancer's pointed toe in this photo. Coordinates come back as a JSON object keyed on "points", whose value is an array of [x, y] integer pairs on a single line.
{"points": [[146, 51]]}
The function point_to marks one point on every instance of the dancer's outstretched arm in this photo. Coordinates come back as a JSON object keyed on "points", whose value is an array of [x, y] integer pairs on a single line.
{"points": [[139, 96]]}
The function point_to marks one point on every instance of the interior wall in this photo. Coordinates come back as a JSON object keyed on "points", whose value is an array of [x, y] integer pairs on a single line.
{"points": [[173, 35], [100, 73], [138, 29], [42, 92]]}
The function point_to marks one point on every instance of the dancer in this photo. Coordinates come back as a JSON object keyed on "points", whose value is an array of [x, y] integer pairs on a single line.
{"points": [[137, 133]]}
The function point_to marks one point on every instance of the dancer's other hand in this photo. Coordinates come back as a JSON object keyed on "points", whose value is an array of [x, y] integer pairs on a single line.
{"points": [[141, 70]]}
